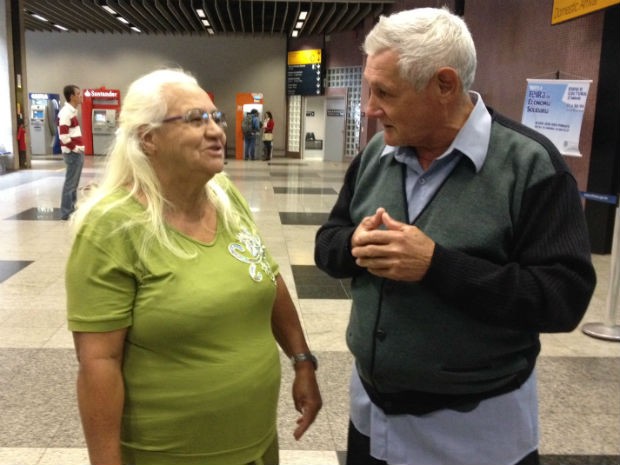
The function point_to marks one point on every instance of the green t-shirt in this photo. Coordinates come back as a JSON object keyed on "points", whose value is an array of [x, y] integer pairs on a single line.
{"points": [[201, 366]]}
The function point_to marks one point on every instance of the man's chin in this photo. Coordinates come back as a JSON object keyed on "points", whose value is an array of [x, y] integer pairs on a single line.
{"points": [[389, 136]]}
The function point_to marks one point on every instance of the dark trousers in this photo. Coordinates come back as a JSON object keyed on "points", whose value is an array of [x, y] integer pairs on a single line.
{"points": [[358, 451], [267, 148]]}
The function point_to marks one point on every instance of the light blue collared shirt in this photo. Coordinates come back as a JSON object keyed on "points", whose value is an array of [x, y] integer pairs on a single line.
{"points": [[502, 429]]}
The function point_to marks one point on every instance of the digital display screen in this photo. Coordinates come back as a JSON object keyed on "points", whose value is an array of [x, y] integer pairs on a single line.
{"points": [[304, 73], [37, 114], [99, 116]]}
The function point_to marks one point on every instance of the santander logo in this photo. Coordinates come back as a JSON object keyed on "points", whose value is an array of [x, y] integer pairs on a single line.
{"points": [[101, 93]]}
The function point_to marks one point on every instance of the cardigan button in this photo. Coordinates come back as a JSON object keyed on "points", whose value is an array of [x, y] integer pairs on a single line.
{"points": [[380, 334]]}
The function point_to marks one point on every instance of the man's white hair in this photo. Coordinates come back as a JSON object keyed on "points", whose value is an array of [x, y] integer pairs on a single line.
{"points": [[425, 39]]}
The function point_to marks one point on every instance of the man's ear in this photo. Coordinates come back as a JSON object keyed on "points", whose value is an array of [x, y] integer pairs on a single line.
{"points": [[448, 82]]}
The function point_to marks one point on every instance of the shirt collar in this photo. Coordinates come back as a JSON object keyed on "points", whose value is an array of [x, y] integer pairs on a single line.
{"points": [[472, 140]]}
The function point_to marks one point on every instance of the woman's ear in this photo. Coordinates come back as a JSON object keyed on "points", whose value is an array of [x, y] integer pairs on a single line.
{"points": [[146, 141]]}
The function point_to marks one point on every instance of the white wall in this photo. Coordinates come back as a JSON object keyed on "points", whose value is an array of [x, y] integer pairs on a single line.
{"points": [[6, 124], [313, 121], [224, 66]]}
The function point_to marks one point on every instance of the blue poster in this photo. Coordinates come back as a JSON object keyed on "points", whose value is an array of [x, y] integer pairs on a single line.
{"points": [[554, 107]]}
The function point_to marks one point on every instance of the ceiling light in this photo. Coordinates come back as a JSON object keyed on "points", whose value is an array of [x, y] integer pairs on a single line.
{"points": [[122, 20], [108, 9], [201, 13], [39, 17], [210, 31], [302, 15], [295, 33], [206, 23], [135, 29], [62, 28], [299, 24]]}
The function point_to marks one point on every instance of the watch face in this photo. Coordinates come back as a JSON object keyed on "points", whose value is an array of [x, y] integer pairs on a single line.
{"points": [[305, 357]]}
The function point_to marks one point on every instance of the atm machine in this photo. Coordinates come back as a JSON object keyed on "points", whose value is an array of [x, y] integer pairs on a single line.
{"points": [[104, 127], [44, 110], [100, 110]]}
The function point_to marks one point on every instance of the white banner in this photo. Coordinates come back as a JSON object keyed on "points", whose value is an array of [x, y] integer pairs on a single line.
{"points": [[554, 107]]}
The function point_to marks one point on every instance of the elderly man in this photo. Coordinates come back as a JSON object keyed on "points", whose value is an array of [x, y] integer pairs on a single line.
{"points": [[464, 234]]}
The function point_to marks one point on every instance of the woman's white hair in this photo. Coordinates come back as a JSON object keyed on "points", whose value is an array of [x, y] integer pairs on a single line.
{"points": [[425, 39], [127, 166]]}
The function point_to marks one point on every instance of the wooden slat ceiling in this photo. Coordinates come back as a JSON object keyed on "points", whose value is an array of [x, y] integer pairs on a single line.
{"points": [[219, 17]]}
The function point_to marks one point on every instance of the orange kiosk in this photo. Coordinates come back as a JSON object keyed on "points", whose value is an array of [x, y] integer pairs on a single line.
{"points": [[246, 102], [100, 110]]}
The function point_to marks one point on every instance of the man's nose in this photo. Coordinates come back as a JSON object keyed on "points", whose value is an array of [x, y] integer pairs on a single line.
{"points": [[372, 109]]}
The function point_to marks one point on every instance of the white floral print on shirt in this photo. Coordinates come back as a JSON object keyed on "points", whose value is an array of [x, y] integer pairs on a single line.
{"points": [[251, 250]]}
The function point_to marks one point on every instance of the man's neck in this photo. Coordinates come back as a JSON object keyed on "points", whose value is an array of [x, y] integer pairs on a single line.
{"points": [[454, 121]]}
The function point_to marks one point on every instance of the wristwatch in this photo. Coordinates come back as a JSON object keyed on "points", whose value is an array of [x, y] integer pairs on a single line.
{"points": [[306, 356]]}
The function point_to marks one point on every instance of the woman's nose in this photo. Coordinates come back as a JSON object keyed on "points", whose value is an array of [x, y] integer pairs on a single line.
{"points": [[212, 128]]}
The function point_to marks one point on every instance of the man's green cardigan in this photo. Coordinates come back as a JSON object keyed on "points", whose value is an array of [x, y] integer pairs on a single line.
{"points": [[512, 259]]}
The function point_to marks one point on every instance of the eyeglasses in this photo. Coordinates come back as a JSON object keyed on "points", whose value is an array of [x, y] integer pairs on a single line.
{"points": [[197, 117]]}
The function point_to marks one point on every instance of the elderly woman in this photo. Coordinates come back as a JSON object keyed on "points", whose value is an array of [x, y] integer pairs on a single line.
{"points": [[173, 300]]}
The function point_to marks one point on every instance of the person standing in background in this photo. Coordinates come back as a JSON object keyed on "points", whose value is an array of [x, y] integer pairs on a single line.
{"points": [[248, 136], [72, 147], [251, 130], [464, 235], [268, 125], [21, 143]]}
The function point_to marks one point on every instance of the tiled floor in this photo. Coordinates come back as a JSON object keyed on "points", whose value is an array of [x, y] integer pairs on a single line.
{"points": [[579, 377]]}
